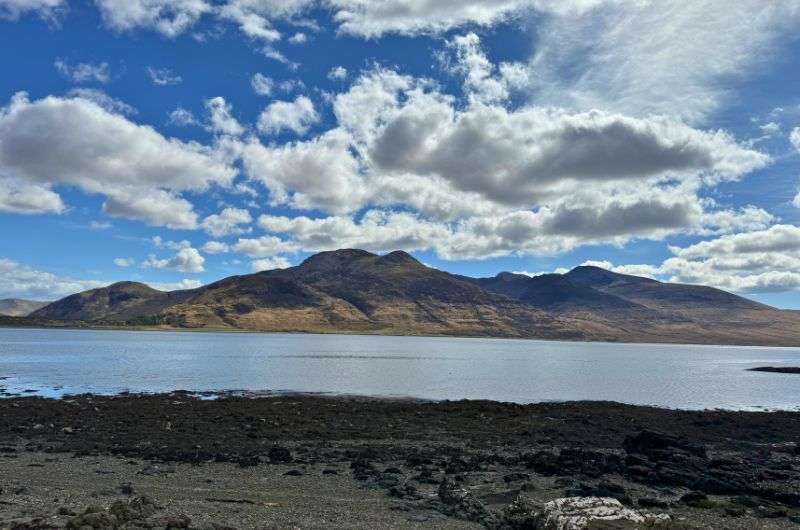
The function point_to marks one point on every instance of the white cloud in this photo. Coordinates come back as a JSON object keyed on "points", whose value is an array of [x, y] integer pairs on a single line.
{"points": [[222, 121], [262, 247], [47, 9], [337, 73], [268, 264], [255, 17], [100, 225], [18, 280], [20, 197], [182, 117], [765, 260], [102, 99], [298, 38], [683, 66], [369, 18], [215, 247], [163, 76], [186, 259], [168, 17], [296, 116], [176, 286], [226, 222], [794, 137], [262, 85], [124, 262], [155, 207], [140, 172], [83, 72], [319, 173]]}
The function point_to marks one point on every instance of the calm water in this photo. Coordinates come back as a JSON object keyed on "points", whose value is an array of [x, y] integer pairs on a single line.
{"points": [[56, 362]]}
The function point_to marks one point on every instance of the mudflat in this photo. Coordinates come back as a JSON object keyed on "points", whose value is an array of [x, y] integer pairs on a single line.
{"points": [[299, 461]]}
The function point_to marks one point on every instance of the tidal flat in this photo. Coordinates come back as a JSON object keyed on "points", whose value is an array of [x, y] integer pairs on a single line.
{"points": [[304, 461]]}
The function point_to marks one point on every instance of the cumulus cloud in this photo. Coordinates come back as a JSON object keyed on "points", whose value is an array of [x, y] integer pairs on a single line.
{"points": [[794, 137], [268, 264], [215, 247], [759, 261], [18, 280], [20, 197], [83, 72], [163, 76], [124, 262], [186, 259], [298, 38], [367, 18], [222, 121], [140, 172], [262, 247], [182, 117], [102, 99], [47, 9], [296, 116], [168, 17], [261, 84], [176, 286], [319, 173], [226, 222], [337, 73]]}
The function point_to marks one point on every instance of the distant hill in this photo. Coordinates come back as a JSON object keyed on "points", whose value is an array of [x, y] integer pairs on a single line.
{"points": [[17, 307], [358, 291]]}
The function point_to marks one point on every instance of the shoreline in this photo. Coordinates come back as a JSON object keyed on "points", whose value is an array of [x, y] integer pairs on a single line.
{"points": [[65, 325], [704, 469]]}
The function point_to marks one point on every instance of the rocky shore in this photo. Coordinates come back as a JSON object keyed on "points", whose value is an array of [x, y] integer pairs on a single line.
{"points": [[178, 461]]}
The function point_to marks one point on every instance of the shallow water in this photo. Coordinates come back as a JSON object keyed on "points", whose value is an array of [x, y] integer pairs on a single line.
{"points": [[58, 362]]}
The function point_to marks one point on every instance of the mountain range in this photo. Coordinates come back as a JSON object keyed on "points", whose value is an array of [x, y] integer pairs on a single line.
{"points": [[357, 291], [17, 307]]}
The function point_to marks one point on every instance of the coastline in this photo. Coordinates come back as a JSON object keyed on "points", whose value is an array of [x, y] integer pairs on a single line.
{"points": [[705, 469], [66, 325]]}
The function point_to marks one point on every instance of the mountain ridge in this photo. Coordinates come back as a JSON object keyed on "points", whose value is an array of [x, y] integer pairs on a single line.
{"points": [[19, 307], [352, 290]]}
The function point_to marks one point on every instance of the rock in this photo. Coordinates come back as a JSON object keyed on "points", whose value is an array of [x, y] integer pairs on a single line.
{"points": [[583, 513], [696, 499], [293, 473], [650, 502], [521, 514], [516, 477], [330, 472], [651, 442], [280, 455], [460, 503], [126, 488], [603, 489]]}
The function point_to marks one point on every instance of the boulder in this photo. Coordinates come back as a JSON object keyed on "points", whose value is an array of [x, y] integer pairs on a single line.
{"points": [[594, 513]]}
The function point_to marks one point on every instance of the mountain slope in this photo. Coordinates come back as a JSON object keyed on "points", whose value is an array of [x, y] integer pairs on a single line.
{"points": [[357, 291], [17, 307]]}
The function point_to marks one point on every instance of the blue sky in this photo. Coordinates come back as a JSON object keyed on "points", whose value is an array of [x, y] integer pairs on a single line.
{"points": [[178, 142]]}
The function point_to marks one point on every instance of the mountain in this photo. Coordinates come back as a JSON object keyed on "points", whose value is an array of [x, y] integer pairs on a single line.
{"points": [[17, 307], [358, 291]]}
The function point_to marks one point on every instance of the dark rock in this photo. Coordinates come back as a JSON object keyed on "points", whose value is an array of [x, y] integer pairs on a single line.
{"points": [[280, 455], [650, 502], [516, 477], [650, 442], [293, 473], [330, 472]]}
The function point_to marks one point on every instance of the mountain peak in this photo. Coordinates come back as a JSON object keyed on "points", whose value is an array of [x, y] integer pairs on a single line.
{"points": [[333, 259], [597, 276], [399, 257]]}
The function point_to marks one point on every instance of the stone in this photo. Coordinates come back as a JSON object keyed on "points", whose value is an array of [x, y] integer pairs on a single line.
{"points": [[595, 513]]}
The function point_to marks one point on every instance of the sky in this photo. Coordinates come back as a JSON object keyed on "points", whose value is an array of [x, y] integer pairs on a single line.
{"points": [[177, 142]]}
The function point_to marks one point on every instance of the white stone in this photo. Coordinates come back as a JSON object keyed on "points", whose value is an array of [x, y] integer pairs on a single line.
{"points": [[595, 513]]}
